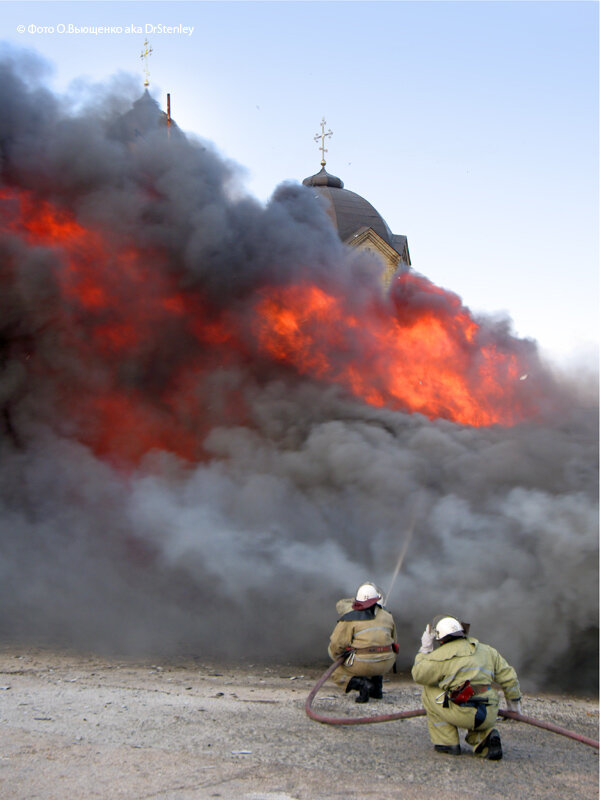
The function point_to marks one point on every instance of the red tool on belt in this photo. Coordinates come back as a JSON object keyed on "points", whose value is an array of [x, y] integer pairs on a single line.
{"points": [[461, 694]]}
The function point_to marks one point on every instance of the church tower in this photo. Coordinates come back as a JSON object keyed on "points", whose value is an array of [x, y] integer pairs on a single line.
{"points": [[145, 115], [358, 224]]}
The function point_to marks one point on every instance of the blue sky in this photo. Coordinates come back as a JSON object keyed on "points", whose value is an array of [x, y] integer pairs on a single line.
{"points": [[472, 127]]}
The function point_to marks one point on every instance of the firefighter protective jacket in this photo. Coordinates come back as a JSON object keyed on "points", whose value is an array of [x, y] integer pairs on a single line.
{"points": [[372, 627], [466, 659]]}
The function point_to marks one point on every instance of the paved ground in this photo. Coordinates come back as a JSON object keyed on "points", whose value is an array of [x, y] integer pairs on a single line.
{"points": [[78, 727]]}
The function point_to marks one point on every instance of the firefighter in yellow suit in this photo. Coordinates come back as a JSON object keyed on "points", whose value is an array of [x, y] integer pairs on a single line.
{"points": [[457, 688], [367, 633]]}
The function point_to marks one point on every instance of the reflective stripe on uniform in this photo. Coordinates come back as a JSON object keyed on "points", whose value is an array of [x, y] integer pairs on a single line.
{"points": [[374, 657], [452, 679], [372, 628]]}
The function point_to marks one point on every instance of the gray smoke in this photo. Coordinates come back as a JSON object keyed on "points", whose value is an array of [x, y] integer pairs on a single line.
{"points": [[292, 502]]}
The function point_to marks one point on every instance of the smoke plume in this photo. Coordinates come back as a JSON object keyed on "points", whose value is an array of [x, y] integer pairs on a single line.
{"points": [[195, 460]]}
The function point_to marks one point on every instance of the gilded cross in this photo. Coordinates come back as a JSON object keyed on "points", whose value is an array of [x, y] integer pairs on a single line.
{"points": [[322, 136], [144, 56]]}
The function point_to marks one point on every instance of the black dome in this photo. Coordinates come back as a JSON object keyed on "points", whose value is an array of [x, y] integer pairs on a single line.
{"points": [[143, 117], [349, 211]]}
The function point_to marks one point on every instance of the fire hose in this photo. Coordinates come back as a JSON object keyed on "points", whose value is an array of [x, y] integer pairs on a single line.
{"points": [[420, 712]]}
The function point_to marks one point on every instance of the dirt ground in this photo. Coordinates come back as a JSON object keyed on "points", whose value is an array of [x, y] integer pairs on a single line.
{"points": [[76, 727]]}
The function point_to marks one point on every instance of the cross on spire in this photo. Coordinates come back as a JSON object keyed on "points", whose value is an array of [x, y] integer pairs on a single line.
{"points": [[144, 56], [322, 136]]}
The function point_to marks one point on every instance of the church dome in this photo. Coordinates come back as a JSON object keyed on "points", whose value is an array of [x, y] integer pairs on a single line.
{"points": [[143, 117], [348, 211]]}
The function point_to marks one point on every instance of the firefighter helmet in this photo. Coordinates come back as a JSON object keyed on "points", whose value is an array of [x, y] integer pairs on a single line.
{"points": [[447, 626], [368, 591]]}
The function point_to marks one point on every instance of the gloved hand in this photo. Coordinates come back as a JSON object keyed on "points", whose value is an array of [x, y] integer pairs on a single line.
{"points": [[514, 705], [427, 640]]}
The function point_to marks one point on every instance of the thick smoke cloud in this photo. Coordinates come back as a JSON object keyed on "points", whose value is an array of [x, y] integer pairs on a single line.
{"points": [[291, 504]]}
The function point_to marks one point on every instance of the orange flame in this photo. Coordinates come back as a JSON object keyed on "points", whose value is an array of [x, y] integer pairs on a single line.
{"points": [[426, 363], [120, 307]]}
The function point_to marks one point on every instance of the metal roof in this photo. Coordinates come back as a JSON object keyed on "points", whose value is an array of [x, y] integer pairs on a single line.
{"points": [[349, 211]]}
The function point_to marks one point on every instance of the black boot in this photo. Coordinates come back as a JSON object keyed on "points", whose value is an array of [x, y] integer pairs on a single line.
{"points": [[451, 749], [376, 690], [354, 684], [365, 691], [362, 686], [493, 744]]}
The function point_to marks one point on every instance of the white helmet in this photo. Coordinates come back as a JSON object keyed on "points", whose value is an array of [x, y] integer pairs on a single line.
{"points": [[368, 591], [446, 626]]}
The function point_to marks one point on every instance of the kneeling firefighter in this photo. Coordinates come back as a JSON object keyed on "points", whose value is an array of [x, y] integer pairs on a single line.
{"points": [[366, 632], [457, 693]]}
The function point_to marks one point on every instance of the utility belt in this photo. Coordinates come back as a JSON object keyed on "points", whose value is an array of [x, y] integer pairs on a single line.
{"points": [[382, 649], [464, 693], [387, 648]]}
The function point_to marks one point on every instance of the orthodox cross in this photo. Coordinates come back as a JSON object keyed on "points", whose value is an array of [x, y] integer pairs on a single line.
{"points": [[144, 56], [322, 136]]}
